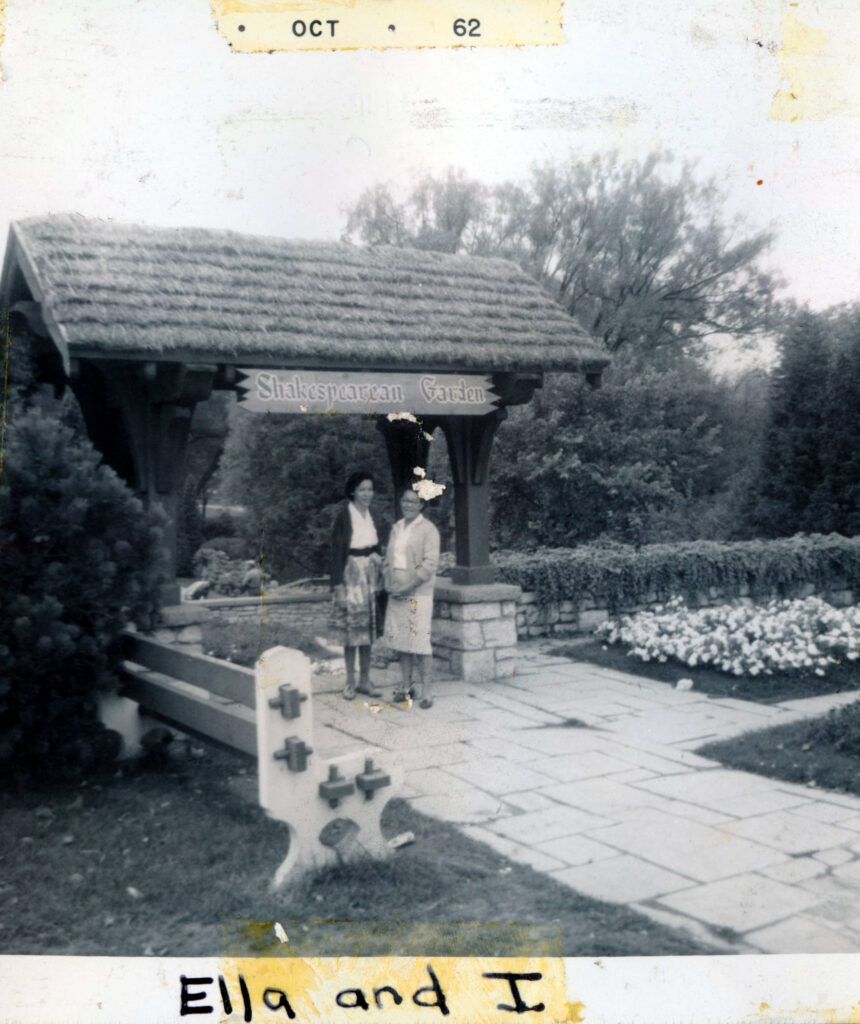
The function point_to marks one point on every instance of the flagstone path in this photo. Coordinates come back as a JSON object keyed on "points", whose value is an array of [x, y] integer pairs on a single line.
{"points": [[589, 775]]}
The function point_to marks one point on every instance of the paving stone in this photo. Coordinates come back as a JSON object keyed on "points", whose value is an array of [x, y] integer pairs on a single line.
{"points": [[577, 850], [500, 746], [602, 796], [633, 775], [743, 902], [529, 800], [692, 812], [832, 886], [761, 802], [698, 851], [643, 759], [515, 851], [621, 879], [499, 776], [710, 788], [848, 872], [584, 764], [541, 826], [791, 833], [468, 807], [835, 856], [426, 781], [558, 741], [833, 814], [434, 756], [803, 935], [793, 870]]}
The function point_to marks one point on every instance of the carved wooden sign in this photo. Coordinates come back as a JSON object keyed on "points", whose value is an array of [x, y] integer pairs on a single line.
{"points": [[318, 391]]}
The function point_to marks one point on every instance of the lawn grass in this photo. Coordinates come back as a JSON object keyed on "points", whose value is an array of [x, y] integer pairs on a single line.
{"points": [[171, 861], [824, 751], [761, 689]]}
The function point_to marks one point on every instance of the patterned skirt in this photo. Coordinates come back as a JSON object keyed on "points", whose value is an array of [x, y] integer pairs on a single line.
{"points": [[352, 618], [408, 620]]}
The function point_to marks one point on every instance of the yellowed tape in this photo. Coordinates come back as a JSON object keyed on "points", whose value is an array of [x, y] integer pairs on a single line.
{"points": [[257, 26]]}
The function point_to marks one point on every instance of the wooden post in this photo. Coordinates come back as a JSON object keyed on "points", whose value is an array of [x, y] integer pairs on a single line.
{"points": [[470, 441]]}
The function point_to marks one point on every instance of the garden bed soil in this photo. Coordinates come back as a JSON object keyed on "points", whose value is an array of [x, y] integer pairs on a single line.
{"points": [[823, 753], [762, 689], [169, 860]]}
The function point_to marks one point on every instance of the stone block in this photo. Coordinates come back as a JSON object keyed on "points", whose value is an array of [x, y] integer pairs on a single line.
{"points": [[551, 612], [474, 666], [178, 615], [504, 654], [591, 619], [534, 613], [537, 630], [442, 610], [567, 617], [476, 612], [463, 636], [190, 635], [528, 597], [499, 633], [841, 598], [164, 636], [509, 609], [566, 606]]}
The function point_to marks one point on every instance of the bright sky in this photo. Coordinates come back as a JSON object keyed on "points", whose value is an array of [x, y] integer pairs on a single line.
{"points": [[137, 110]]}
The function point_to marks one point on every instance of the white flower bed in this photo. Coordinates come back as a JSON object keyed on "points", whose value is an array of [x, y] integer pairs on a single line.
{"points": [[782, 636]]}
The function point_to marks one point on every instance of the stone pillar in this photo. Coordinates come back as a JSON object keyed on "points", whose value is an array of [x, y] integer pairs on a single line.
{"points": [[475, 629]]}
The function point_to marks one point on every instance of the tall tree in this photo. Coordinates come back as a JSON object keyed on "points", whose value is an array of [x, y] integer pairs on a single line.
{"points": [[645, 259], [792, 469]]}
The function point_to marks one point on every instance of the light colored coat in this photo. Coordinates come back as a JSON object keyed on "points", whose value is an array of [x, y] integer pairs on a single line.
{"points": [[422, 555]]}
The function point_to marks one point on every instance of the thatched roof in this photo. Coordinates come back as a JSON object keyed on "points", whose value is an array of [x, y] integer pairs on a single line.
{"points": [[188, 293]]}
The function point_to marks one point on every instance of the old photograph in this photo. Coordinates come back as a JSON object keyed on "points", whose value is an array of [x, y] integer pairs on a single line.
{"points": [[430, 485]]}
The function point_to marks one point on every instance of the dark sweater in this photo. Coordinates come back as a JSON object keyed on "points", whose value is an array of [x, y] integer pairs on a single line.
{"points": [[341, 541]]}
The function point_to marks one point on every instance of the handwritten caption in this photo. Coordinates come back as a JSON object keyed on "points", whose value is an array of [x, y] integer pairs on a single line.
{"points": [[385, 989]]}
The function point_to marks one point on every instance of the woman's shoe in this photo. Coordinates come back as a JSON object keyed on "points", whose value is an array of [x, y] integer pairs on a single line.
{"points": [[368, 690], [349, 691], [426, 702]]}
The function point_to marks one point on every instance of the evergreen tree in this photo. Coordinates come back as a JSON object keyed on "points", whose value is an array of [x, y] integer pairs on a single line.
{"points": [[793, 466]]}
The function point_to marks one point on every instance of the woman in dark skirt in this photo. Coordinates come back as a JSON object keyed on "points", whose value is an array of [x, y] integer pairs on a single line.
{"points": [[356, 560]]}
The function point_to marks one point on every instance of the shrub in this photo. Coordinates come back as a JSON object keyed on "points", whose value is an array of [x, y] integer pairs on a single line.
{"points": [[229, 577], [244, 641], [839, 729], [222, 525], [80, 559], [233, 547], [622, 575]]}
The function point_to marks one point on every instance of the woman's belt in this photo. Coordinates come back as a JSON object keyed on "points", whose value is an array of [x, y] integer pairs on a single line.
{"points": [[364, 552]]}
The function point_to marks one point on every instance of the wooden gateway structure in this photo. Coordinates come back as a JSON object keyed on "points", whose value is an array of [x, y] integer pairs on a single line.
{"points": [[144, 322]]}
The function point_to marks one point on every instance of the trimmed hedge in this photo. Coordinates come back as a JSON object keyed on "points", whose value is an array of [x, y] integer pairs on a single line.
{"points": [[618, 576]]}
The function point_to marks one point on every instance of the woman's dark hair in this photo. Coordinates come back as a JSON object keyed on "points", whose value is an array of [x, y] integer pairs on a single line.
{"points": [[354, 481]]}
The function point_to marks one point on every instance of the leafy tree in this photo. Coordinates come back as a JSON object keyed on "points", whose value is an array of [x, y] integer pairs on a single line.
{"points": [[636, 460], [79, 559], [643, 259], [290, 471]]}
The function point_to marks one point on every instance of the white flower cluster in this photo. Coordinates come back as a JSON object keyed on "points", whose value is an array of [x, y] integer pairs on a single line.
{"points": [[781, 636]]}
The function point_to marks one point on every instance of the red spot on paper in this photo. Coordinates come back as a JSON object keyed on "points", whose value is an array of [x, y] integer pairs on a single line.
{"points": [[760, 182]]}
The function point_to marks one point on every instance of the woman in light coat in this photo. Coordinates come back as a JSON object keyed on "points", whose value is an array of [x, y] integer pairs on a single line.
{"points": [[411, 561]]}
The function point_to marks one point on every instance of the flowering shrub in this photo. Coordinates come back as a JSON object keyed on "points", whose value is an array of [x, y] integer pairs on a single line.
{"points": [[782, 636]]}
